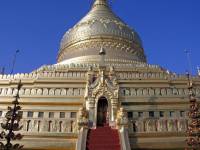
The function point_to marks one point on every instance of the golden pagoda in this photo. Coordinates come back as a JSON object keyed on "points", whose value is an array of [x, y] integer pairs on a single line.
{"points": [[101, 94]]}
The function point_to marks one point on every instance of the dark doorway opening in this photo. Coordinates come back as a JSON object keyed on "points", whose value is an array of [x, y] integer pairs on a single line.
{"points": [[102, 112]]}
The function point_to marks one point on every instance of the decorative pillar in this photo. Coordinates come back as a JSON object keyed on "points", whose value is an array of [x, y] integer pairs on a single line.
{"points": [[114, 108], [91, 109]]}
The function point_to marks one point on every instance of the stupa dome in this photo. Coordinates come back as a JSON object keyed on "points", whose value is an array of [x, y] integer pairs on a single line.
{"points": [[101, 28]]}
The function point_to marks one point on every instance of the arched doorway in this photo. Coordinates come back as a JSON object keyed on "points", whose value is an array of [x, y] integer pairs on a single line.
{"points": [[102, 112]]}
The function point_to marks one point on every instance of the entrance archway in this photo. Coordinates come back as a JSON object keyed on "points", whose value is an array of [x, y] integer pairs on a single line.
{"points": [[102, 112]]}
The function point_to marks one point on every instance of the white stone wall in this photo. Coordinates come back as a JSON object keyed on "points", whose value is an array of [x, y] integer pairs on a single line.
{"points": [[157, 91], [177, 122], [44, 124], [43, 91]]}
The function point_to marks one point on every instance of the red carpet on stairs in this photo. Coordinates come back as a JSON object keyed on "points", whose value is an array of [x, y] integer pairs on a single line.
{"points": [[103, 138]]}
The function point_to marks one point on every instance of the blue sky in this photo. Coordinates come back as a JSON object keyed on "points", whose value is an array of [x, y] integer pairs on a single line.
{"points": [[35, 27]]}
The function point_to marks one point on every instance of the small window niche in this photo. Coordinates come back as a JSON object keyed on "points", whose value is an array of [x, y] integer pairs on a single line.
{"points": [[182, 113], [151, 114], [172, 114], [62, 114], [130, 115], [73, 115], [30, 114], [140, 114], [51, 114], [20, 113], [161, 114], [40, 114]]}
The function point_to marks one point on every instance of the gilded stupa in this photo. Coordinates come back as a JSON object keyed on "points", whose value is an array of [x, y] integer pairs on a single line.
{"points": [[101, 27], [101, 94]]}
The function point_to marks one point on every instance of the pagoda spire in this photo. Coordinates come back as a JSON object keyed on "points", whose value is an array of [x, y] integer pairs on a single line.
{"points": [[100, 2]]}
